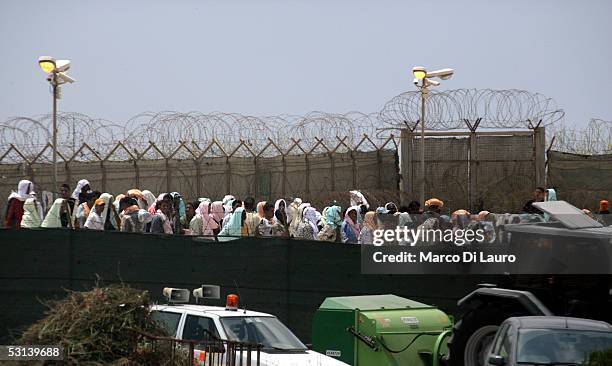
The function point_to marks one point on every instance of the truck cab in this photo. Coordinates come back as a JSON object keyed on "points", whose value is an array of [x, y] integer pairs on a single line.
{"points": [[259, 335]]}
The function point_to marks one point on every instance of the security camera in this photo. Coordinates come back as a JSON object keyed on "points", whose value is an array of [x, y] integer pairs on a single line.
{"points": [[64, 78], [432, 82], [443, 74], [62, 65]]}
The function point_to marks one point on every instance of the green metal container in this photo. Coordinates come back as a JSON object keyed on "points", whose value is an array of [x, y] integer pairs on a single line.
{"points": [[380, 330]]}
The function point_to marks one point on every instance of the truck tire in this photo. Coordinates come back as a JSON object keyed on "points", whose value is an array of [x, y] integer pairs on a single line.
{"points": [[473, 333]]}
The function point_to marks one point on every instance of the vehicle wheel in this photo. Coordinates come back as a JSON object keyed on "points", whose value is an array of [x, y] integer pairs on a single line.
{"points": [[473, 334]]}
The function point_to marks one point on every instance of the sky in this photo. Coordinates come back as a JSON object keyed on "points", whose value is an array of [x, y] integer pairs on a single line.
{"points": [[270, 57]]}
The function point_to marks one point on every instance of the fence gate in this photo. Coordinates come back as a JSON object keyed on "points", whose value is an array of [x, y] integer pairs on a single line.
{"points": [[490, 170]]}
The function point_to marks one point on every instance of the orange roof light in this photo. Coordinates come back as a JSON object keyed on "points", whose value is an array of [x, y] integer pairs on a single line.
{"points": [[232, 302]]}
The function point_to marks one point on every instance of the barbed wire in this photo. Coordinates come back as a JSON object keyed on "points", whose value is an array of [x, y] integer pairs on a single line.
{"points": [[595, 138], [449, 109], [167, 129]]}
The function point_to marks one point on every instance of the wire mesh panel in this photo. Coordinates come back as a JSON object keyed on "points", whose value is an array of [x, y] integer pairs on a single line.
{"points": [[584, 180], [504, 174], [446, 169]]}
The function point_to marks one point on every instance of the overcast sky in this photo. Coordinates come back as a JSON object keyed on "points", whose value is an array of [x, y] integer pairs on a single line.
{"points": [[276, 57]]}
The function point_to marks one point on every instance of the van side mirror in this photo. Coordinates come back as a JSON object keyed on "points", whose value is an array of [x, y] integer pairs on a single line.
{"points": [[496, 360]]}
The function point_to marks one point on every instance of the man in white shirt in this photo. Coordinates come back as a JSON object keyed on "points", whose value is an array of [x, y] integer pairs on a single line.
{"points": [[94, 220]]}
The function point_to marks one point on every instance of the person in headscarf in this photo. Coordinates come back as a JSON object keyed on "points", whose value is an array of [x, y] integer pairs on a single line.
{"points": [[94, 220], [66, 211], [551, 195], [84, 209], [52, 220], [203, 222], [432, 214], [264, 229], [235, 226], [293, 216], [460, 219], [350, 227], [118, 199], [149, 197], [130, 221], [81, 191], [279, 226], [366, 235], [139, 197], [162, 197], [390, 208], [331, 230], [588, 212], [31, 214], [604, 207], [109, 215], [228, 200], [281, 205], [217, 212], [161, 223], [358, 199], [604, 213], [179, 215], [252, 218], [16, 200], [323, 219], [260, 209], [233, 205], [307, 229]]}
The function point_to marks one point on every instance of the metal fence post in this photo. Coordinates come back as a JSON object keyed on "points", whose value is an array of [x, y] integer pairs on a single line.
{"points": [[407, 191], [539, 149], [473, 170]]}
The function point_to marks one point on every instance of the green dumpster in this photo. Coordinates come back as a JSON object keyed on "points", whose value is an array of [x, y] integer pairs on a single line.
{"points": [[380, 330]]}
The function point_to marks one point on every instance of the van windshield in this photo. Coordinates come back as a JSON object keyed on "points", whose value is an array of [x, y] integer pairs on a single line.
{"points": [[267, 331]]}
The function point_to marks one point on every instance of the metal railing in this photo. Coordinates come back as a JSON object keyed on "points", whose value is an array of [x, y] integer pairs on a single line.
{"points": [[208, 351]]}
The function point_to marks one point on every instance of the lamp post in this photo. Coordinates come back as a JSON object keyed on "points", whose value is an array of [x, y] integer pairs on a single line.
{"points": [[56, 75], [422, 80]]}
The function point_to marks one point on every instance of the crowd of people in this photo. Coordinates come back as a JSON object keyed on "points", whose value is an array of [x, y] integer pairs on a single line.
{"points": [[139, 211]]}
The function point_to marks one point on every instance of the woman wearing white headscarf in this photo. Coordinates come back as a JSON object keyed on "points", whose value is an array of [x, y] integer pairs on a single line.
{"points": [[149, 197], [308, 229], [82, 185], [16, 200], [53, 216], [294, 215], [31, 214], [110, 218]]}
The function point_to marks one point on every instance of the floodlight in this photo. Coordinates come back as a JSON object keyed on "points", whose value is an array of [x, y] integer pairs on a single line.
{"points": [[47, 64], [419, 72]]}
